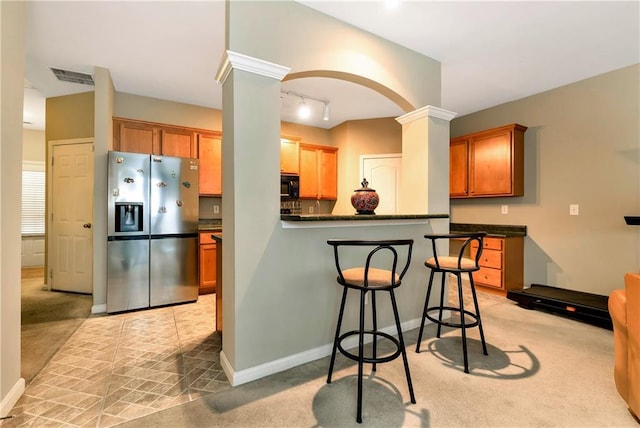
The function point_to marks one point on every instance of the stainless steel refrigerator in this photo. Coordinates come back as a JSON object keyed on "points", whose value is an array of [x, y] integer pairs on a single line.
{"points": [[152, 238]]}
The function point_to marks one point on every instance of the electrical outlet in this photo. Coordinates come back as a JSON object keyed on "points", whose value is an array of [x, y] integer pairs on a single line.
{"points": [[505, 209], [216, 209], [311, 209], [574, 209]]}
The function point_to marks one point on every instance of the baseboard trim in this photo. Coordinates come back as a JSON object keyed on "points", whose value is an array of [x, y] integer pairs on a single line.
{"points": [[12, 398], [240, 377], [98, 309]]}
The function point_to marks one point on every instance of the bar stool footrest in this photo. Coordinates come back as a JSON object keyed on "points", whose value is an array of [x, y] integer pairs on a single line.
{"points": [[474, 323], [376, 335]]}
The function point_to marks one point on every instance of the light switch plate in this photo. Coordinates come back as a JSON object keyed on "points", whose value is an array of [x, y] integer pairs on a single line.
{"points": [[505, 209], [574, 209]]}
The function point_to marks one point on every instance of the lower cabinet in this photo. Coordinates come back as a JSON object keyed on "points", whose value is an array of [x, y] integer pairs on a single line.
{"points": [[501, 264], [207, 265]]}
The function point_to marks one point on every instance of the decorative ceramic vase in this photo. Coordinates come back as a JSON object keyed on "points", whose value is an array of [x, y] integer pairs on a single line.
{"points": [[364, 199]]}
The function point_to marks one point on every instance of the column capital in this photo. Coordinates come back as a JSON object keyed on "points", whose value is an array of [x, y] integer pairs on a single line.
{"points": [[231, 60], [427, 111]]}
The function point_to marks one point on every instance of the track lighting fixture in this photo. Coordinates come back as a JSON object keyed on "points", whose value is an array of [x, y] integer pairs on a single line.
{"points": [[304, 110], [325, 111]]}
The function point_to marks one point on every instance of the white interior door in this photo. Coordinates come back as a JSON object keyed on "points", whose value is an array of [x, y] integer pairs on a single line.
{"points": [[384, 174], [71, 214]]}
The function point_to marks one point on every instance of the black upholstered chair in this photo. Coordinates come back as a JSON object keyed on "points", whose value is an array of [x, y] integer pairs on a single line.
{"points": [[457, 265], [380, 270]]}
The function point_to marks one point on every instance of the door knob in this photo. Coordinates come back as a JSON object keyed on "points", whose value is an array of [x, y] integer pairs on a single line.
{"points": [[87, 225]]}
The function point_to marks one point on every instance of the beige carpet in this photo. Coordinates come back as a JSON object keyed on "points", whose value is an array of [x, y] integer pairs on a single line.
{"points": [[49, 318]]}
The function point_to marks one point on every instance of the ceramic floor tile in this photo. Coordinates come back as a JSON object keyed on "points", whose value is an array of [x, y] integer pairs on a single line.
{"points": [[120, 367]]}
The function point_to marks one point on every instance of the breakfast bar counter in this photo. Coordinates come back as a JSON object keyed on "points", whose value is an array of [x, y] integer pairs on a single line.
{"points": [[332, 220]]}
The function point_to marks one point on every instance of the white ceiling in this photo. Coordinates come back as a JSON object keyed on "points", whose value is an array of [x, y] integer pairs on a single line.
{"points": [[491, 52]]}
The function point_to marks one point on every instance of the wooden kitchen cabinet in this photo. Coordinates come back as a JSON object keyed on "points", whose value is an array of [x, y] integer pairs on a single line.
{"points": [[318, 172], [493, 165], [501, 264], [210, 166], [153, 138], [135, 137], [289, 156], [178, 142], [458, 167], [207, 263]]}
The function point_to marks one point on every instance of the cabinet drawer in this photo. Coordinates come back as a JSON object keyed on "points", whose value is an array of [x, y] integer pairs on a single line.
{"points": [[489, 244], [491, 258], [492, 244], [205, 237], [488, 276]]}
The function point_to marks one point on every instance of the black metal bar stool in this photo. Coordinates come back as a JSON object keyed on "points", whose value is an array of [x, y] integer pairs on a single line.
{"points": [[371, 279], [456, 265]]}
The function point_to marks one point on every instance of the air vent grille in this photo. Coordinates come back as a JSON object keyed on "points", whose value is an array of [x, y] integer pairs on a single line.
{"points": [[73, 76]]}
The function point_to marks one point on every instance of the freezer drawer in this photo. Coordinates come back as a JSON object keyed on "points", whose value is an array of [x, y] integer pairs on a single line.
{"points": [[127, 275], [173, 270]]}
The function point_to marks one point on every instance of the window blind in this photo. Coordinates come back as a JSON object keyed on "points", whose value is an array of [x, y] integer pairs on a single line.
{"points": [[33, 202]]}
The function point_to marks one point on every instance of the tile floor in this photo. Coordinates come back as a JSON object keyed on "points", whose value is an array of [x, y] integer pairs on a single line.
{"points": [[115, 368]]}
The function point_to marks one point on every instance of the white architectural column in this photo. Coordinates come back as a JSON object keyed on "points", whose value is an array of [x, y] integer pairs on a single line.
{"points": [[250, 185], [425, 160]]}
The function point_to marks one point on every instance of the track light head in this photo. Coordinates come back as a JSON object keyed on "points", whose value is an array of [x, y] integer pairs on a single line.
{"points": [[325, 112]]}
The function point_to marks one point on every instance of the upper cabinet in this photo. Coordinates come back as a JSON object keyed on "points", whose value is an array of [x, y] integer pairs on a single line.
{"points": [[178, 142], [289, 155], [459, 167], [210, 171], [135, 137], [488, 163], [318, 172], [153, 138]]}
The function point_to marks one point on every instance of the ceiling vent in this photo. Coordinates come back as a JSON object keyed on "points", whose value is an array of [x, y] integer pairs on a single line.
{"points": [[73, 76]]}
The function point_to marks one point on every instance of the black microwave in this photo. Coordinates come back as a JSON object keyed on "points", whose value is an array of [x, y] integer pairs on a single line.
{"points": [[289, 186]]}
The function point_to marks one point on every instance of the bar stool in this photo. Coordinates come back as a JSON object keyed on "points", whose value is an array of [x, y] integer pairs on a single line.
{"points": [[371, 279], [456, 265]]}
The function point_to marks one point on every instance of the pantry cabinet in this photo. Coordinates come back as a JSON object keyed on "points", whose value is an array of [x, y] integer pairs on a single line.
{"points": [[210, 165], [207, 264], [501, 264], [318, 172], [488, 163]]}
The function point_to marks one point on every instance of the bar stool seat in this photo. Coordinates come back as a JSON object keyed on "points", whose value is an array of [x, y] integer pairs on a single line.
{"points": [[369, 279], [456, 265]]}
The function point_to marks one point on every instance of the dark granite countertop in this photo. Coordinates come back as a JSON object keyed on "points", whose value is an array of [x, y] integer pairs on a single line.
{"points": [[358, 217], [210, 224], [492, 229]]}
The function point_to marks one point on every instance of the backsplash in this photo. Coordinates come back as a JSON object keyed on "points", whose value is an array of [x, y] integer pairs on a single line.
{"points": [[316, 207], [210, 208]]}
